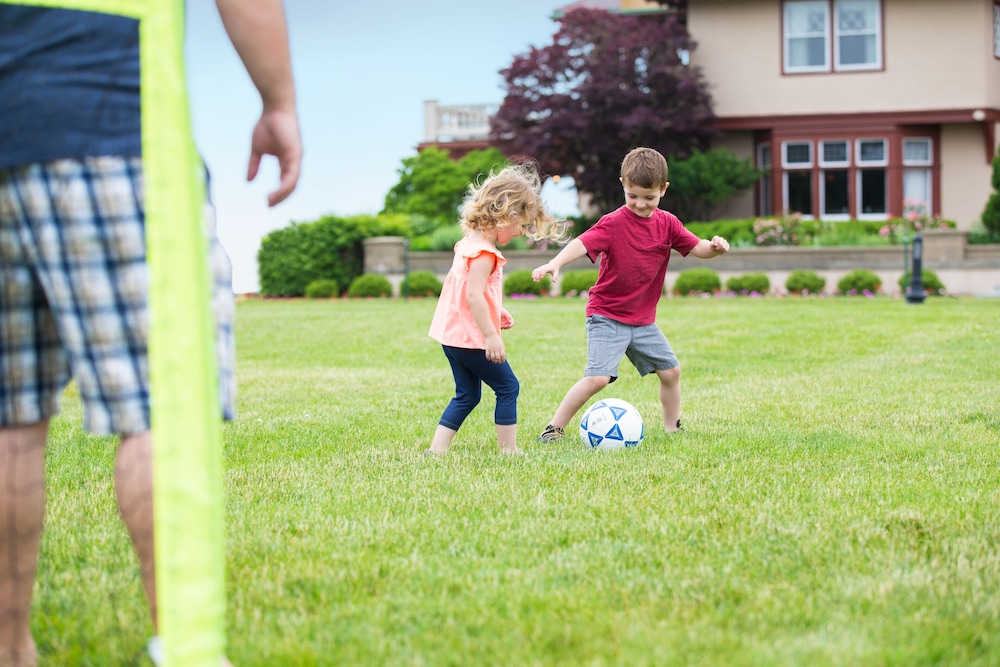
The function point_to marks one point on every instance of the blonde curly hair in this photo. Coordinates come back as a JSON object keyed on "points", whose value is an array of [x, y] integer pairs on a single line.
{"points": [[511, 197]]}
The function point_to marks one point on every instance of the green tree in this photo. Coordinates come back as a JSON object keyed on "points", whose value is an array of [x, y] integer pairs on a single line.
{"points": [[991, 214], [706, 179], [432, 185]]}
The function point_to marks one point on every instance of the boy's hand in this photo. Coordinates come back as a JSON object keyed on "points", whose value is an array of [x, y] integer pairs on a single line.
{"points": [[540, 272], [506, 319], [720, 246]]}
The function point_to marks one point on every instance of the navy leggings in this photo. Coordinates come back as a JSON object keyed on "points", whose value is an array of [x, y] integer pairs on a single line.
{"points": [[471, 368]]}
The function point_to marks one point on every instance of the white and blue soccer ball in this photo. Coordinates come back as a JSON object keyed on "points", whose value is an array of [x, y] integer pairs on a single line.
{"points": [[611, 423]]}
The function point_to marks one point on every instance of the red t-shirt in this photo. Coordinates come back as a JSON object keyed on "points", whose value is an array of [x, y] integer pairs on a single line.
{"points": [[636, 252]]}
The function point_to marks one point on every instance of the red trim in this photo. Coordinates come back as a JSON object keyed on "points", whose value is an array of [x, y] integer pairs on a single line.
{"points": [[989, 139], [876, 121]]}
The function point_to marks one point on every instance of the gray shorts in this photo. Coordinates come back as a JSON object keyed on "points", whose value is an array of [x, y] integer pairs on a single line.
{"points": [[73, 294], [609, 340]]}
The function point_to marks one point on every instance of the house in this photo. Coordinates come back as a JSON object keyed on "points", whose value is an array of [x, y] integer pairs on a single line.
{"points": [[859, 108], [862, 109]]}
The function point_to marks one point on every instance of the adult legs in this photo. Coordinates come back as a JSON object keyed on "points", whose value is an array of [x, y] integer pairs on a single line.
{"points": [[134, 489], [22, 511]]}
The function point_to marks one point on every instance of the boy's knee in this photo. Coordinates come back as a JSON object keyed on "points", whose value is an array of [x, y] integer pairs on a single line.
{"points": [[595, 383], [669, 375]]}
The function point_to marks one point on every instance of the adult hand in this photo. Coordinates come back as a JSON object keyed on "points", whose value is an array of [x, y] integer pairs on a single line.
{"points": [[277, 134]]}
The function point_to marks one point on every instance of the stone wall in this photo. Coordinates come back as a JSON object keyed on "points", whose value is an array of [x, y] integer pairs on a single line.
{"points": [[964, 269]]}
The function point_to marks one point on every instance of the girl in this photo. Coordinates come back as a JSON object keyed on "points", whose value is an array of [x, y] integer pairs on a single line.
{"points": [[469, 315]]}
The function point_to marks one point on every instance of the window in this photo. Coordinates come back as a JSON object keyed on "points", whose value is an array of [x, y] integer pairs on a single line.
{"points": [[837, 35], [806, 34], [797, 159], [798, 192], [918, 159], [855, 177], [835, 159], [871, 181], [996, 30], [872, 152], [796, 154], [857, 32]]}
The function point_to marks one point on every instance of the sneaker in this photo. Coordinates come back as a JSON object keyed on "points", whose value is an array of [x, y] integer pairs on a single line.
{"points": [[551, 434]]}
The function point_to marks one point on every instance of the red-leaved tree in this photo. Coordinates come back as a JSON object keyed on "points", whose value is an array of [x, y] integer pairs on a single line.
{"points": [[608, 83]]}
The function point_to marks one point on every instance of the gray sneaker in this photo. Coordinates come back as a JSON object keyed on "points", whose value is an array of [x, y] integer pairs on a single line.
{"points": [[551, 434]]}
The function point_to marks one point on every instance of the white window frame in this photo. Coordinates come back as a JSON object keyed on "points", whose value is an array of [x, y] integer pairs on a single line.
{"points": [[806, 215], [835, 22], [859, 196], [922, 167], [910, 162], [861, 162], [787, 37], [835, 163], [785, 164], [822, 199]]}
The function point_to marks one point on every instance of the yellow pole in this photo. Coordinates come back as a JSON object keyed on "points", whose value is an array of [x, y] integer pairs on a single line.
{"points": [[187, 462]]}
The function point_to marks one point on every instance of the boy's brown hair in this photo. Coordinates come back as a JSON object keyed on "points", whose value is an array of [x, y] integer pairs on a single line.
{"points": [[644, 168]]}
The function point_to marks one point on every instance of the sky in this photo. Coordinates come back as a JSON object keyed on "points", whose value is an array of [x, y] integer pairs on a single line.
{"points": [[362, 74]]}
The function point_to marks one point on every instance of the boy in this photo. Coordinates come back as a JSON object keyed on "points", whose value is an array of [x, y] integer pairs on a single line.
{"points": [[635, 241]]}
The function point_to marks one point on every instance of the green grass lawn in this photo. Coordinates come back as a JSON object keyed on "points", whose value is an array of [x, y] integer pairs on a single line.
{"points": [[835, 499]]}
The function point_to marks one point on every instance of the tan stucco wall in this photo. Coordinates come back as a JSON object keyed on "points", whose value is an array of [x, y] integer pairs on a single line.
{"points": [[965, 174], [740, 206], [937, 55]]}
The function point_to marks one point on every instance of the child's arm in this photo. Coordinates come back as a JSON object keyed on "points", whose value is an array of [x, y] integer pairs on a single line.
{"points": [[572, 252], [506, 319], [479, 273], [708, 249]]}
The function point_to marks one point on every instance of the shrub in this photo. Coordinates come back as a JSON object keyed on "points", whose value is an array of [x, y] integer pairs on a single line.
{"points": [[520, 282], [370, 284], [331, 247], [704, 180], [991, 214], [422, 283], [322, 289], [859, 281], [697, 281], [805, 282], [577, 281], [749, 283], [932, 283], [444, 238]]}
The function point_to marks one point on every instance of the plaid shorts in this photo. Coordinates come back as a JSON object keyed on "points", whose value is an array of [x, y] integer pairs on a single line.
{"points": [[73, 294]]}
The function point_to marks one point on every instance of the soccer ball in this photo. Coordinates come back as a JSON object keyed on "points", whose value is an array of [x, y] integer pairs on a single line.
{"points": [[611, 423]]}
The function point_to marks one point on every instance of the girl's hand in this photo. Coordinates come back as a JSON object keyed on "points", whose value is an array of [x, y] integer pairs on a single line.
{"points": [[495, 351], [506, 320]]}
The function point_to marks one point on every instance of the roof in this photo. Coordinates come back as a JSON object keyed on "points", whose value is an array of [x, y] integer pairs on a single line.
{"points": [[607, 5]]}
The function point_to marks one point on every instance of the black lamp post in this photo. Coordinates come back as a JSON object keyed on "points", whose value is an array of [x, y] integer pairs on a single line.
{"points": [[916, 293]]}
